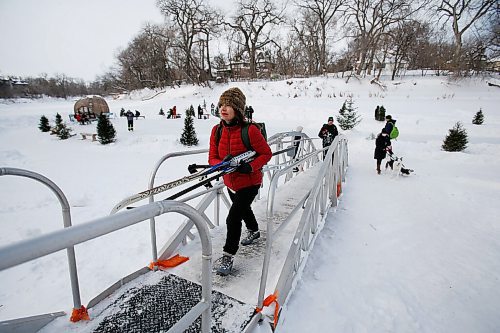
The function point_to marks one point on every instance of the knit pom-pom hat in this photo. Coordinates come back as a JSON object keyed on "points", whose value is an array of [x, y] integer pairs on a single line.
{"points": [[234, 98]]}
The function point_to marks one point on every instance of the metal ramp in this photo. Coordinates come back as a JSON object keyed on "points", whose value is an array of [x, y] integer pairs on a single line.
{"points": [[156, 306], [196, 300]]}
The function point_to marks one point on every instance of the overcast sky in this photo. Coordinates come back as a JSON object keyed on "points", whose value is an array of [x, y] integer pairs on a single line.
{"points": [[79, 38]]}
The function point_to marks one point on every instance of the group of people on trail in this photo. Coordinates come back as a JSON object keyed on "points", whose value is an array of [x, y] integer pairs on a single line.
{"points": [[227, 141]]}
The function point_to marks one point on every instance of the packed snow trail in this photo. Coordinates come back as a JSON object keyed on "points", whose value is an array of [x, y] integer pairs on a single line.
{"points": [[378, 266]]}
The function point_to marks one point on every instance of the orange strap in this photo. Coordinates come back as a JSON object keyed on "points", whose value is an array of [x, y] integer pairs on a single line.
{"points": [[79, 314], [169, 263], [273, 298]]}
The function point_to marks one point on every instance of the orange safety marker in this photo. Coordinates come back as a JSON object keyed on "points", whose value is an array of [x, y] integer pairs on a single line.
{"points": [[339, 189], [79, 314], [273, 298], [169, 263]]}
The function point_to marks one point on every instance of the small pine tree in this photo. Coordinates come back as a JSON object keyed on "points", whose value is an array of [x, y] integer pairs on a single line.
{"points": [[348, 117], [105, 131], [188, 137], [44, 124], [456, 140], [191, 110], [478, 118], [60, 129]]}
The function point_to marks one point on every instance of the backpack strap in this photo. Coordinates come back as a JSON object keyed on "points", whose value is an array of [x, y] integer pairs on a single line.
{"points": [[244, 135], [218, 134]]}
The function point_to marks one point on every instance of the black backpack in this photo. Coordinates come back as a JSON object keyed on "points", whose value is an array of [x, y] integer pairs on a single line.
{"points": [[244, 133]]}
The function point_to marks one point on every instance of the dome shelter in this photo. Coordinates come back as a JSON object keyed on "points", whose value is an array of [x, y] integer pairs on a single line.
{"points": [[91, 105]]}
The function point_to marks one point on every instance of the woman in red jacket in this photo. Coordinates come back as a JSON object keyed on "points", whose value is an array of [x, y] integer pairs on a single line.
{"points": [[243, 184]]}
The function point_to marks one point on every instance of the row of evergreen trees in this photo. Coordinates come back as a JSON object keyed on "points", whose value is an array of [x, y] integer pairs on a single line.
{"points": [[106, 133], [456, 140]]}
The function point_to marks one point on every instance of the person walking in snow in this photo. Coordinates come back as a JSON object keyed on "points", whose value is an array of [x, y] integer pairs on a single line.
{"points": [[243, 184], [200, 112], [296, 144], [382, 146], [328, 132], [130, 120], [389, 124]]}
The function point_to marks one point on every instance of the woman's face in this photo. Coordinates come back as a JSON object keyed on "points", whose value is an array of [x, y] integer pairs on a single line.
{"points": [[227, 113]]}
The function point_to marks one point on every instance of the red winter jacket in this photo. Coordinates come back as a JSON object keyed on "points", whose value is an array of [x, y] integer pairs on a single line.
{"points": [[230, 143]]}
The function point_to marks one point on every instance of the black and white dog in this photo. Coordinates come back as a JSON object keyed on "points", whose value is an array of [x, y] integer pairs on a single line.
{"points": [[396, 165]]}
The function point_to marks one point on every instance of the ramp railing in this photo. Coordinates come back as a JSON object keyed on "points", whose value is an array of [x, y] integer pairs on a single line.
{"points": [[323, 194], [66, 215], [27, 250]]}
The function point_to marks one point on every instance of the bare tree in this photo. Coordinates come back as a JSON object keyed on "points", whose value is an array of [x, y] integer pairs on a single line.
{"points": [[143, 62], [194, 22], [306, 32], [322, 12], [463, 14], [402, 38], [372, 18], [253, 23]]}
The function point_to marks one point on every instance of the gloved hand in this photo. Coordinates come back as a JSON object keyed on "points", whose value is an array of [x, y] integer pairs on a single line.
{"points": [[244, 168], [192, 168], [227, 158]]}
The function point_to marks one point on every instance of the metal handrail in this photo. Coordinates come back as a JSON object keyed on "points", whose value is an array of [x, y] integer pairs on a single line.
{"points": [[316, 205], [66, 214], [316, 198], [26, 250]]}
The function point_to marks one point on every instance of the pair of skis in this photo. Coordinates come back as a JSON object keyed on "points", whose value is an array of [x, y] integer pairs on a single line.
{"points": [[220, 169]]}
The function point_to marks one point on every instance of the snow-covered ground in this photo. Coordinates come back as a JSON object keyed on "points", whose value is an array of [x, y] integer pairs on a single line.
{"points": [[412, 254]]}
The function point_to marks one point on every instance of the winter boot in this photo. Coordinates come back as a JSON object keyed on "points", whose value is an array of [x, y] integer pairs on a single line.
{"points": [[226, 264], [251, 236]]}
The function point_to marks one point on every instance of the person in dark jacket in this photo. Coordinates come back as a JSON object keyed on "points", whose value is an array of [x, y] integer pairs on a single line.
{"points": [[328, 132], [382, 146], [243, 184], [389, 125], [297, 140], [130, 120]]}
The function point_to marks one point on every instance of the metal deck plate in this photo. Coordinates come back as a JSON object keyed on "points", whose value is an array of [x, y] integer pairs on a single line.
{"points": [[157, 307]]}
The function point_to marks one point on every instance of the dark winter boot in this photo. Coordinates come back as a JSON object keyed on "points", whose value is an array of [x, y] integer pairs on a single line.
{"points": [[251, 236], [226, 264]]}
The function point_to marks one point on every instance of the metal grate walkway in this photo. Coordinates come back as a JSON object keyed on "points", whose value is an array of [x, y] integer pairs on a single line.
{"points": [[157, 307]]}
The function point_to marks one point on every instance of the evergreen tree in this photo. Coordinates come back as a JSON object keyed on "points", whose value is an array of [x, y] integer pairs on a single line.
{"points": [[60, 128], [44, 124], [105, 131], [191, 110], [478, 118], [348, 117], [188, 137], [456, 140]]}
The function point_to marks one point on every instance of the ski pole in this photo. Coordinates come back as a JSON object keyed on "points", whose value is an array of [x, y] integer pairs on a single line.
{"points": [[234, 161]]}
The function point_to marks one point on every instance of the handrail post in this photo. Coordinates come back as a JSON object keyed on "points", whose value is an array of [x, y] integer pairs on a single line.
{"points": [[66, 214]]}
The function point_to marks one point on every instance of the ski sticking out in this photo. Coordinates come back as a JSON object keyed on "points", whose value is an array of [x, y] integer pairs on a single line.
{"points": [[224, 166]]}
